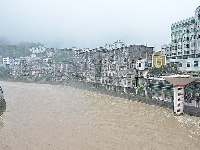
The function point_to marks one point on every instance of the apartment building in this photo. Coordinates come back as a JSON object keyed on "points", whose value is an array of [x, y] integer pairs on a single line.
{"points": [[113, 66], [119, 66], [184, 48], [6, 60]]}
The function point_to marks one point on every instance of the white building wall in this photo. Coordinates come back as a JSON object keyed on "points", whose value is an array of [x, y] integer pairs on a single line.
{"points": [[197, 18], [143, 64], [6, 60], [185, 43], [190, 64]]}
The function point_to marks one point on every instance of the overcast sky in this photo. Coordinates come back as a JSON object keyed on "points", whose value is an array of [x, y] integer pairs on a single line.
{"points": [[92, 23]]}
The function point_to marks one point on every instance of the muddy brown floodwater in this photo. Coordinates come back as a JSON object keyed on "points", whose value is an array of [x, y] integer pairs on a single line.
{"points": [[56, 117]]}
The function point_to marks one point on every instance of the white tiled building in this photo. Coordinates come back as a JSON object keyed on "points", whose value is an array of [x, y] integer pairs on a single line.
{"points": [[6, 60], [190, 64], [184, 48]]}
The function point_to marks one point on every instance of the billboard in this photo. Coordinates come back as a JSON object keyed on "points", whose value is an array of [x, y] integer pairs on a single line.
{"points": [[158, 59]]}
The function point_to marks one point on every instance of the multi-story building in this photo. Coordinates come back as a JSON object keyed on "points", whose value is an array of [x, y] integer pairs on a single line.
{"points": [[184, 48], [6, 61], [119, 65], [117, 44], [114, 67]]}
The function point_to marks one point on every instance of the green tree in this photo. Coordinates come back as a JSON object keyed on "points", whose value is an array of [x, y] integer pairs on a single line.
{"points": [[140, 88], [14, 51], [62, 55], [48, 77], [4, 72], [170, 68]]}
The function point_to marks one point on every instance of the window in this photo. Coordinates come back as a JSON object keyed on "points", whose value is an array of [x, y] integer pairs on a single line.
{"points": [[188, 64], [193, 21], [146, 64], [192, 29], [196, 64], [180, 65], [193, 37], [149, 64], [192, 44], [139, 64]]}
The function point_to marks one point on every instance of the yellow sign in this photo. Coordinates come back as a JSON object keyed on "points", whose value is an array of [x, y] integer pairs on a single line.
{"points": [[158, 59], [158, 53], [158, 63]]}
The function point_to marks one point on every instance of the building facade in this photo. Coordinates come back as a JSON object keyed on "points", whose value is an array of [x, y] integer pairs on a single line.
{"points": [[184, 48]]}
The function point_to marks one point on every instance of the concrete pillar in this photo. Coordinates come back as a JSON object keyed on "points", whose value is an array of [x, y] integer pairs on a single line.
{"points": [[113, 88], [179, 82], [178, 99], [125, 90]]}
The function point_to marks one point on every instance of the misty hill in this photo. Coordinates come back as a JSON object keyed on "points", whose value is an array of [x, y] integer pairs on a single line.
{"points": [[16, 50]]}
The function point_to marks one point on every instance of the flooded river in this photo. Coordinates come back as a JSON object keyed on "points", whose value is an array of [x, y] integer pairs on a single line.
{"points": [[56, 117]]}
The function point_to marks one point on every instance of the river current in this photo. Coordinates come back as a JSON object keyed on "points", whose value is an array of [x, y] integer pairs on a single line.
{"points": [[57, 117]]}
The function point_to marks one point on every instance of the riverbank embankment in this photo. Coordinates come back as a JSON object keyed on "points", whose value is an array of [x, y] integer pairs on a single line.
{"points": [[190, 110]]}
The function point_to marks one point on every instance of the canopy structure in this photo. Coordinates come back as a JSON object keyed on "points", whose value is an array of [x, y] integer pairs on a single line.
{"points": [[179, 82], [179, 79]]}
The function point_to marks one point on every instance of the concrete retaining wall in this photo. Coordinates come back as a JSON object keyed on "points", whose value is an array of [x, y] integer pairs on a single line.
{"points": [[190, 110]]}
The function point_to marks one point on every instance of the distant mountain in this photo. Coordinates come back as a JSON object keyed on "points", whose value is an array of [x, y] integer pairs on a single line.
{"points": [[8, 49], [14, 51], [30, 44]]}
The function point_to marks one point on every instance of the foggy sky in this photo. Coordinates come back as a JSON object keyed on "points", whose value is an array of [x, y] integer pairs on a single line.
{"points": [[92, 23]]}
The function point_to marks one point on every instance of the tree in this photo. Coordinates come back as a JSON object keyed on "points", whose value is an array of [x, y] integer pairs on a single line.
{"points": [[170, 68], [14, 51], [140, 88], [62, 55], [4, 72]]}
